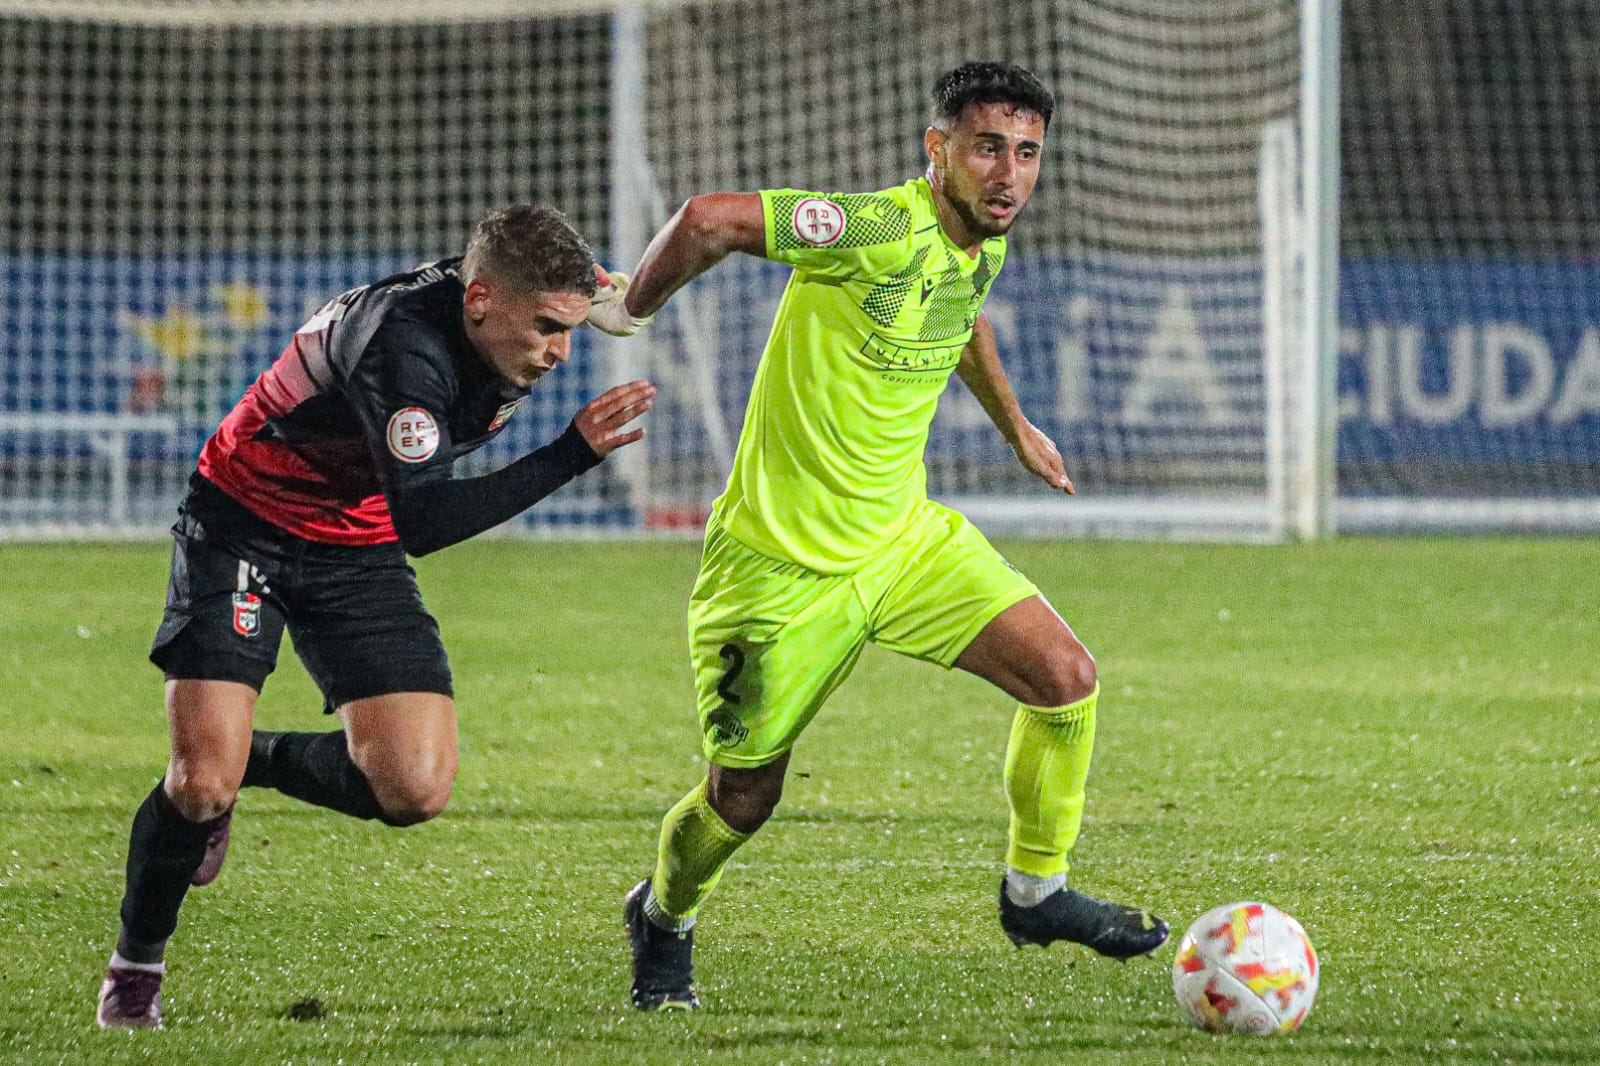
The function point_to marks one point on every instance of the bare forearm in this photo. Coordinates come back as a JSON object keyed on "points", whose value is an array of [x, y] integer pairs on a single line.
{"points": [[981, 371], [675, 256], [703, 232]]}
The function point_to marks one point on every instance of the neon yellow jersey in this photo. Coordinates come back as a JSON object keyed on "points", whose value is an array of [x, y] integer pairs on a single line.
{"points": [[874, 319]]}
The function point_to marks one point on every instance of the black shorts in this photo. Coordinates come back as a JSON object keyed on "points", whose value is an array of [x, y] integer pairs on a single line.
{"points": [[355, 612]]}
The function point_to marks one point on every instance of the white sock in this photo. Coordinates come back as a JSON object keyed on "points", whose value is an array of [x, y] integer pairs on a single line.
{"points": [[1026, 890], [120, 963], [661, 919]]}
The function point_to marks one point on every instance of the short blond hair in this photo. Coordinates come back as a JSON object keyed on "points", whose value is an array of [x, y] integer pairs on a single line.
{"points": [[531, 247]]}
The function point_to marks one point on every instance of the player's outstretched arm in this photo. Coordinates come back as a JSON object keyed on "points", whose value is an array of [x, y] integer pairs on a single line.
{"points": [[438, 513], [706, 229], [981, 371]]}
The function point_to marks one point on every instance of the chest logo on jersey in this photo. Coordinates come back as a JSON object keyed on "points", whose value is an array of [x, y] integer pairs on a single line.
{"points": [[818, 222], [413, 435], [502, 416]]}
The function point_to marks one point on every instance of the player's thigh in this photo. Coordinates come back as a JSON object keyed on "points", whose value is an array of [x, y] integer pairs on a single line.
{"points": [[209, 723], [769, 641], [1031, 654], [938, 587], [361, 629], [224, 617]]}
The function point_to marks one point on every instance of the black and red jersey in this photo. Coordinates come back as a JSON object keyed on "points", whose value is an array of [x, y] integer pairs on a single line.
{"points": [[353, 432]]}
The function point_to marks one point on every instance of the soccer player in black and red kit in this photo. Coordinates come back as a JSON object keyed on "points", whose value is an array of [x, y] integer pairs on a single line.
{"points": [[336, 463]]}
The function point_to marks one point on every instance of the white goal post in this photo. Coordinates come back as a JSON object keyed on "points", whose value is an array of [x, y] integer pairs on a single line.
{"points": [[191, 176]]}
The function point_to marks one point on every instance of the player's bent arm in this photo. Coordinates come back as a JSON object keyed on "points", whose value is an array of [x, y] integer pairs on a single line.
{"points": [[434, 514], [981, 371], [437, 514], [706, 230]]}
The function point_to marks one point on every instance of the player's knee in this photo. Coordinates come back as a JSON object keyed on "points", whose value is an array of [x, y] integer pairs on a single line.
{"points": [[200, 794], [1068, 676], [413, 804], [746, 813], [745, 799], [402, 815], [411, 782], [414, 797]]}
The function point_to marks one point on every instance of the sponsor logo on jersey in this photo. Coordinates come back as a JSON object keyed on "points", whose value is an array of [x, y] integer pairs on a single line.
{"points": [[818, 222], [911, 358], [246, 614], [413, 435], [502, 416]]}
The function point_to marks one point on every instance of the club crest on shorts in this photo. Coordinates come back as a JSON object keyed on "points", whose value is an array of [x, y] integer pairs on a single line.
{"points": [[725, 729], [502, 416], [818, 222], [413, 435], [246, 614]]}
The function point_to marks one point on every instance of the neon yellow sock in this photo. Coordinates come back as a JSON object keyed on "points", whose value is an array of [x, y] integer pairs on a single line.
{"points": [[695, 844], [1047, 763]]}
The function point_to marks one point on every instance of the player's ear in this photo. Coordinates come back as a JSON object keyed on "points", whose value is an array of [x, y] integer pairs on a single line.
{"points": [[933, 140], [476, 300]]}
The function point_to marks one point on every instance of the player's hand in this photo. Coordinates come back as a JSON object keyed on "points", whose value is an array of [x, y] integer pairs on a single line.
{"points": [[602, 419], [607, 313], [1038, 453]]}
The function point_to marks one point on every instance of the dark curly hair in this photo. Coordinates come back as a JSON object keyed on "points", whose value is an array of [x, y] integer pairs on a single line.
{"points": [[531, 247], [985, 82]]}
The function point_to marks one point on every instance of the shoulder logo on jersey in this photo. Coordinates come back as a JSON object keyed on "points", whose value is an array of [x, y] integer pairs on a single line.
{"points": [[818, 222], [502, 416], [413, 435]]}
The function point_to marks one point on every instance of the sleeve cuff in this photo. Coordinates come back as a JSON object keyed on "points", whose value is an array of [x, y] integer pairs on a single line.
{"points": [[572, 451]]}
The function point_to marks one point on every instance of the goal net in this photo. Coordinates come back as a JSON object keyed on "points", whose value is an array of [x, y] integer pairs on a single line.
{"points": [[186, 180], [1130, 311]]}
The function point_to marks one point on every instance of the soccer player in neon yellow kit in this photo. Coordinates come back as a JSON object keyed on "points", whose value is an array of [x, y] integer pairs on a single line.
{"points": [[825, 537]]}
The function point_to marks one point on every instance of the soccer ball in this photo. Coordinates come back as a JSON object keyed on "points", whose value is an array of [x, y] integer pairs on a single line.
{"points": [[1245, 968]]}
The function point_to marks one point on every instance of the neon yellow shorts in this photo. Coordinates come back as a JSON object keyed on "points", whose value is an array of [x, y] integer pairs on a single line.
{"points": [[771, 640]]}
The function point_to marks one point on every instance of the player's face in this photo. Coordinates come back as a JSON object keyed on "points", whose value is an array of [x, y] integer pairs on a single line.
{"points": [[522, 335], [983, 168]]}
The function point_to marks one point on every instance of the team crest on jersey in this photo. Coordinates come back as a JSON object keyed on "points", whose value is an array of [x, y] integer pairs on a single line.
{"points": [[818, 222], [246, 614], [502, 416], [413, 435]]}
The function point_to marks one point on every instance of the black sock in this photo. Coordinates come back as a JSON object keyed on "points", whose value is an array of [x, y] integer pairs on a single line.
{"points": [[164, 849], [315, 767]]}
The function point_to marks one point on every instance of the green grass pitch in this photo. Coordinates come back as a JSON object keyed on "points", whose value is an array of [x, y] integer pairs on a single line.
{"points": [[1394, 740]]}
